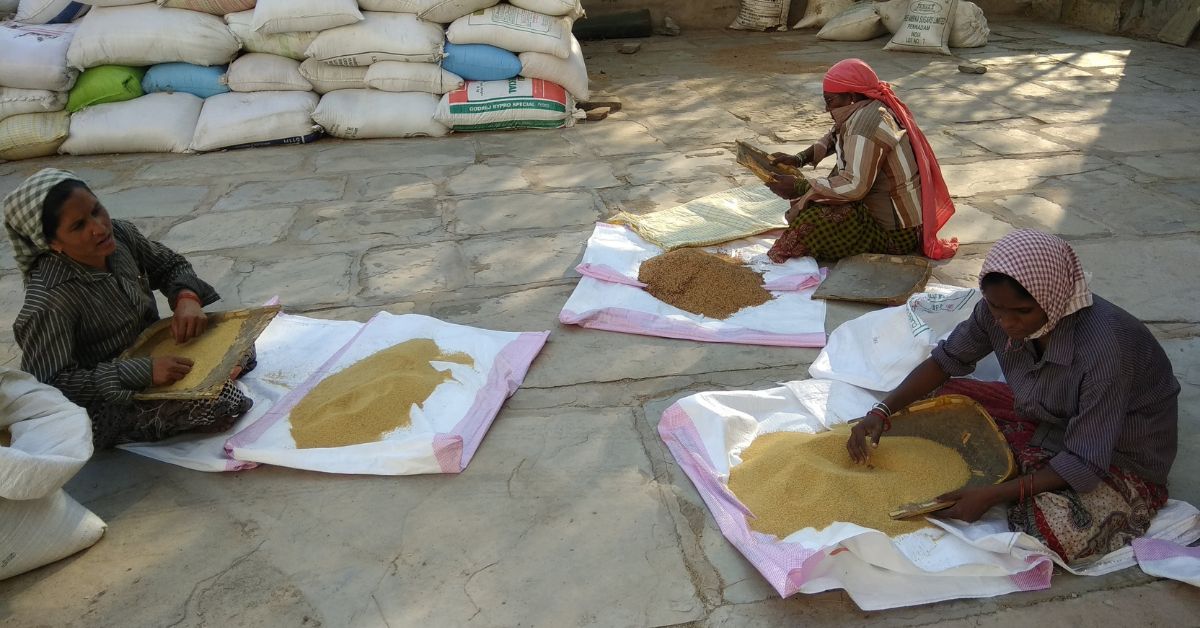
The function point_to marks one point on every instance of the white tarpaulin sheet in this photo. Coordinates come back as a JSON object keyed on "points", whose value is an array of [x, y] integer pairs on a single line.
{"points": [[706, 433], [610, 297], [446, 430]]}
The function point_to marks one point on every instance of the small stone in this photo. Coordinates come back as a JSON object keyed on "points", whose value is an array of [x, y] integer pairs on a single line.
{"points": [[669, 27], [628, 49], [972, 68]]}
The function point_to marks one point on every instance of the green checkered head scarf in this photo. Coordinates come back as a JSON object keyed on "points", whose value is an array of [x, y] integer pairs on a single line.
{"points": [[23, 216]]}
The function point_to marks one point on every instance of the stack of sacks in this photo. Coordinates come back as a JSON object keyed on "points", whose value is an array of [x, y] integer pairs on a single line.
{"points": [[50, 11], [143, 34], [34, 81], [397, 53], [551, 67]]}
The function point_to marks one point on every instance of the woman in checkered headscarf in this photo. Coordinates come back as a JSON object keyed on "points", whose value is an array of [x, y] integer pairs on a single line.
{"points": [[1089, 404], [88, 282]]}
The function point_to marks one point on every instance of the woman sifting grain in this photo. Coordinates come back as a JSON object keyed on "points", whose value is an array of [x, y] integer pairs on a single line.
{"points": [[88, 282], [886, 194], [1089, 408]]}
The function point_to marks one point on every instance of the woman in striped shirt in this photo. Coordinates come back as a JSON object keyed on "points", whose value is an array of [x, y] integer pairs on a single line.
{"points": [[88, 282], [886, 194], [1089, 405]]}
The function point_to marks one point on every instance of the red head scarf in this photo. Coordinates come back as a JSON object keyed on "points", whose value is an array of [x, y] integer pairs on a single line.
{"points": [[854, 76]]}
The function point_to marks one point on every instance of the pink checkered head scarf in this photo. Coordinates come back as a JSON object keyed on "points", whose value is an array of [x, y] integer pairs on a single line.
{"points": [[1046, 266]]}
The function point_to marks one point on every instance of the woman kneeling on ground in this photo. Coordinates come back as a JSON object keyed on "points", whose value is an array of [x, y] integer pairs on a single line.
{"points": [[886, 194], [1089, 408], [88, 282]]}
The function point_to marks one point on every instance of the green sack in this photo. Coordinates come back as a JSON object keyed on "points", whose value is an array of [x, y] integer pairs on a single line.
{"points": [[105, 83]]}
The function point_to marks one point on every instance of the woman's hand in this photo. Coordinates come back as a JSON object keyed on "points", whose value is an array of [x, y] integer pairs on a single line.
{"points": [[169, 369], [798, 206], [189, 322], [864, 436], [970, 503], [783, 185], [785, 159]]}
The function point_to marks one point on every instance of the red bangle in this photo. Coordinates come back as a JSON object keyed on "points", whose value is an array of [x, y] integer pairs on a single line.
{"points": [[188, 295], [887, 421]]}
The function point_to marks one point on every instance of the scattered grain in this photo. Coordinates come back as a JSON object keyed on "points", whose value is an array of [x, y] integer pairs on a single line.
{"points": [[792, 481], [716, 286], [206, 350], [372, 397]]}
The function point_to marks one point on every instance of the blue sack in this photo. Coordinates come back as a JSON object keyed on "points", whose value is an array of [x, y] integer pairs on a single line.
{"points": [[481, 62], [197, 80]]}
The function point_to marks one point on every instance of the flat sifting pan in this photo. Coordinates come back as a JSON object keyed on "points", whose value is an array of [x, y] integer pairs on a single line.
{"points": [[759, 162], [251, 323], [875, 278]]}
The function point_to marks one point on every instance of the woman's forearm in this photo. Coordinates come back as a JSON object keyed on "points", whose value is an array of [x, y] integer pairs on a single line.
{"points": [[1024, 487], [924, 379]]}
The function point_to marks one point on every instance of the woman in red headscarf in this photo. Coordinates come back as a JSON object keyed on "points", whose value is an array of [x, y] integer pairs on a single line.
{"points": [[886, 194]]}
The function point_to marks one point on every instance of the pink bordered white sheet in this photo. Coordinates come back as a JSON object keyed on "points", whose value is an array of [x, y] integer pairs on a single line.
{"points": [[706, 434], [446, 430]]}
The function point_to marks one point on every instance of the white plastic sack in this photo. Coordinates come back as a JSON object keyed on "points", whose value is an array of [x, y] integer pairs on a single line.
{"points": [[283, 364], [761, 15], [15, 101], [439, 11], [38, 532], [926, 27], [1166, 559], [570, 8], [155, 123], [260, 72], [115, 3], [401, 76], [858, 23], [292, 16], [49, 11], [615, 254], [35, 57], [359, 114], [446, 430], [326, 78], [514, 29], [290, 45], [517, 103], [147, 34], [879, 349], [380, 37], [818, 12], [791, 319], [51, 441], [237, 119], [30, 135], [706, 434], [571, 72], [970, 27]]}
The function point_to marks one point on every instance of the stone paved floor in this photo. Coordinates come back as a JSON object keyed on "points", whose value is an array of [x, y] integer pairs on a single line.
{"points": [[573, 513]]}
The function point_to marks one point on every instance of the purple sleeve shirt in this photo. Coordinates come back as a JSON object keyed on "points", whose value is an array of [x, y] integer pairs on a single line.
{"points": [[1104, 390]]}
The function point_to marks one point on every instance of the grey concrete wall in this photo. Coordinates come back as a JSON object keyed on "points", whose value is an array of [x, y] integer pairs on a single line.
{"points": [[695, 14]]}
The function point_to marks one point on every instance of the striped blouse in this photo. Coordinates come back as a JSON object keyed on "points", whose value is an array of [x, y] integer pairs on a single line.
{"points": [[1103, 391], [76, 320], [875, 165]]}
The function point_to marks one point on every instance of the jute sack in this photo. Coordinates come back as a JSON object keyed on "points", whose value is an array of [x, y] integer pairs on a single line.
{"points": [[14, 101], [292, 16], [326, 78], [146, 34], [212, 7], [401, 76], [30, 135], [290, 45], [761, 15], [818, 12], [514, 29], [440, 11], [926, 27], [571, 72], [379, 37], [255, 119], [860, 22], [357, 114], [155, 123], [259, 72]]}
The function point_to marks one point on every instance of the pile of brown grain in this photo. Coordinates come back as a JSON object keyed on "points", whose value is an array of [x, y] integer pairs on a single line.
{"points": [[206, 350], [716, 286], [792, 481], [372, 397]]}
